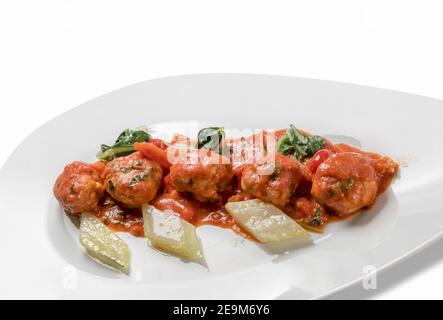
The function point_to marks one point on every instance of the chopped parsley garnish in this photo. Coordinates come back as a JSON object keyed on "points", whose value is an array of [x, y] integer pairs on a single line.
{"points": [[138, 178]]}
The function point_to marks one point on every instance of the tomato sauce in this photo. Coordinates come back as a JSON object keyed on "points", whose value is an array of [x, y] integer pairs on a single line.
{"points": [[302, 207], [121, 219]]}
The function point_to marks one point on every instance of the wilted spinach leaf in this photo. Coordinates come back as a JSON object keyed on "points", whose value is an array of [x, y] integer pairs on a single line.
{"points": [[124, 145], [211, 138], [301, 146]]}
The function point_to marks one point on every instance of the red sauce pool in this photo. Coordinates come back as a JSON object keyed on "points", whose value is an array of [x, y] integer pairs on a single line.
{"points": [[120, 219]]}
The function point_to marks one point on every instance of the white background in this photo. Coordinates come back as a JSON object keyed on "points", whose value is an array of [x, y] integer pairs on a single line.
{"points": [[55, 55]]}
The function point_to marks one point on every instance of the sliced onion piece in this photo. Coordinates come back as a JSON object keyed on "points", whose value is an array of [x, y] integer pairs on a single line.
{"points": [[167, 232], [266, 222], [102, 244]]}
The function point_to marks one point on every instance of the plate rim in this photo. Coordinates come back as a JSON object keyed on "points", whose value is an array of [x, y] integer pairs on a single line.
{"points": [[54, 118], [329, 293]]}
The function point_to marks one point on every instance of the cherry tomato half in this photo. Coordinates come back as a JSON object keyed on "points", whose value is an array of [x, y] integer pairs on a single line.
{"points": [[318, 158]]}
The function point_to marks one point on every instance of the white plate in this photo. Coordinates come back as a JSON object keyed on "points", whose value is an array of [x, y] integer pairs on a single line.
{"points": [[41, 257]]}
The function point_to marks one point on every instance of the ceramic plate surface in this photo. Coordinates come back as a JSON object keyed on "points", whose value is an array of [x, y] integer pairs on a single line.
{"points": [[41, 256]]}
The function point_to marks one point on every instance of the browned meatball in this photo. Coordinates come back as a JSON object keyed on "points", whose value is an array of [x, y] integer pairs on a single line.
{"points": [[79, 188], [346, 182], [132, 180], [205, 178], [276, 187]]}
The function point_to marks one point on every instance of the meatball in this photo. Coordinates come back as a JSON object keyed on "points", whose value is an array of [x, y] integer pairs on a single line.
{"points": [[346, 182], [205, 178], [132, 180], [276, 187], [385, 171], [385, 168], [79, 188]]}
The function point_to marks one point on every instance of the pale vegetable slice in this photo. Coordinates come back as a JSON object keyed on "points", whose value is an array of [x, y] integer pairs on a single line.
{"points": [[167, 232], [103, 244], [266, 222]]}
